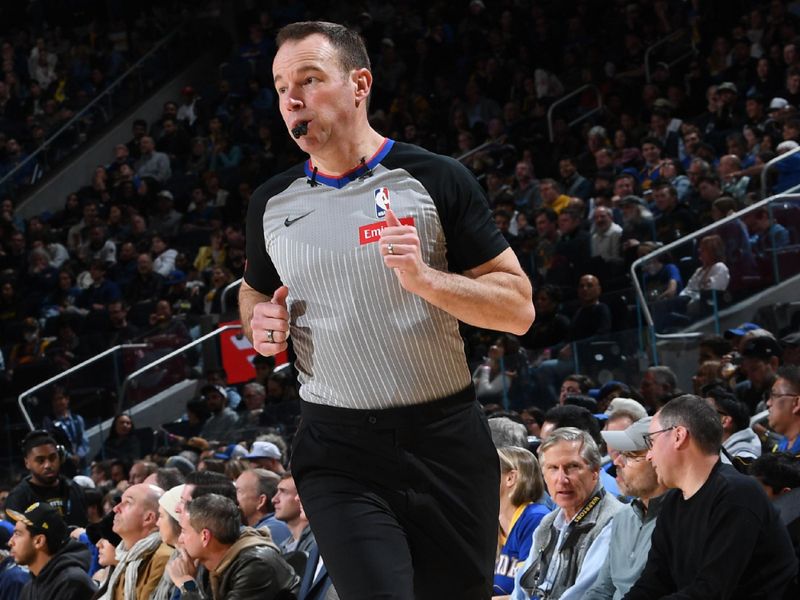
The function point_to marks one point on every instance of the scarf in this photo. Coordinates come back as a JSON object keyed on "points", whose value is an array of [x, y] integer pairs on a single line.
{"points": [[129, 563]]}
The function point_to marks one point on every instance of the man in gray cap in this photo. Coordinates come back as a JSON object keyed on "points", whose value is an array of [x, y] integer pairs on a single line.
{"points": [[266, 455], [633, 526]]}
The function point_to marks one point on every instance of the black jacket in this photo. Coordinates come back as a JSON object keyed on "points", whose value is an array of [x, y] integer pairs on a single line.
{"points": [[65, 577], [252, 569], [68, 498]]}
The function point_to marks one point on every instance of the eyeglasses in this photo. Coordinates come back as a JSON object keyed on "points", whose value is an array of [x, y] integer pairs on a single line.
{"points": [[627, 457], [648, 437], [774, 397]]}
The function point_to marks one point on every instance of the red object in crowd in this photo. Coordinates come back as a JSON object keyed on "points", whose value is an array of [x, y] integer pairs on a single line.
{"points": [[238, 353]]}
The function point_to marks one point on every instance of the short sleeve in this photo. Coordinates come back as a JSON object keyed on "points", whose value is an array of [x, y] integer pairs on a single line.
{"points": [[259, 271], [470, 233]]}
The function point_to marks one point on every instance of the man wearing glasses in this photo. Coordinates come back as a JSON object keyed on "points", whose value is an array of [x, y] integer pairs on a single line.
{"points": [[717, 534], [784, 409], [633, 526]]}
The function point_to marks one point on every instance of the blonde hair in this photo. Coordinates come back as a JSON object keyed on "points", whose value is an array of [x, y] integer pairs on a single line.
{"points": [[530, 484]]}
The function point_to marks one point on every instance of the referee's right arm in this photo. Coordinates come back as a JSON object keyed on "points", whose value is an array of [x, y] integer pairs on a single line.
{"points": [[259, 314]]}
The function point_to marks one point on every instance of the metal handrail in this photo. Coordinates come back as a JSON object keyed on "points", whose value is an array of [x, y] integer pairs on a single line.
{"points": [[86, 109], [223, 305], [563, 99], [661, 42], [166, 357], [770, 164], [69, 371], [480, 148], [679, 242]]}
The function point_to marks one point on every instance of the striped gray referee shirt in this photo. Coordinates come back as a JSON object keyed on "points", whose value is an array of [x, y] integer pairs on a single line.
{"points": [[361, 340]]}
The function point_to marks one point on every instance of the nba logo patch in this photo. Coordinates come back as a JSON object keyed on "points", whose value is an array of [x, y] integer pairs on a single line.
{"points": [[381, 202]]}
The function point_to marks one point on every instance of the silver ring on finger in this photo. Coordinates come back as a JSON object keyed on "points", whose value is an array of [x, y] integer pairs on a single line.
{"points": [[390, 248], [270, 336]]}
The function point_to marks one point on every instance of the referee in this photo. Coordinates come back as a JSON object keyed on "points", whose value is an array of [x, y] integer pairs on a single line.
{"points": [[369, 254]]}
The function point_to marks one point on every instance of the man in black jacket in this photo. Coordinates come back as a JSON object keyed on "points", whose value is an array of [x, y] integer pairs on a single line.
{"points": [[45, 482], [59, 566], [239, 562]]}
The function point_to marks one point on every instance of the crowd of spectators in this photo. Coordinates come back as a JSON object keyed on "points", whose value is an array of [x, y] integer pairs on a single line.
{"points": [[144, 250], [56, 60]]}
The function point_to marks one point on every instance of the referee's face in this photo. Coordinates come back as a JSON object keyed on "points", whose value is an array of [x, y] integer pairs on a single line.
{"points": [[313, 89]]}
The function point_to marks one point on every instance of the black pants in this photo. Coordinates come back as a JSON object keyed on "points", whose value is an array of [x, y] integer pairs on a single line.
{"points": [[403, 502]]}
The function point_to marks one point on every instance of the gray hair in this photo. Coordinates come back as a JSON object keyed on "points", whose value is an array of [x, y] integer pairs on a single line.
{"points": [[506, 432], [589, 451], [664, 376], [698, 417], [267, 482], [220, 515], [256, 387]]}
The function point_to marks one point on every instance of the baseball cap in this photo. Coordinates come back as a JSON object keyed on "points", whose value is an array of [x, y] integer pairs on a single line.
{"points": [[740, 330], [232, 451], [211, 387], [43, 518], [165, 194], [264, 450], [763, 347], [169, 500], [630, 439], [727, 86], [628, 405], [777, 103], [84, 481]]}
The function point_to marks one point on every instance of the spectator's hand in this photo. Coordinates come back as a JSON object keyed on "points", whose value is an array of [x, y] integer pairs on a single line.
{"points": [[181, 568], [75, 534], [405, 258], [630, 244], [270, 324]]}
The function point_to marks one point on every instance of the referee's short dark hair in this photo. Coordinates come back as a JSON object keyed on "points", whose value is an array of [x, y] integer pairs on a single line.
{"points": [[220, 515], [698, 417], [348, 43]]}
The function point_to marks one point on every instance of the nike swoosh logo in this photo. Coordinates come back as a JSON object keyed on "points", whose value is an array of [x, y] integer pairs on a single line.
{"points": [[289, 221]]}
